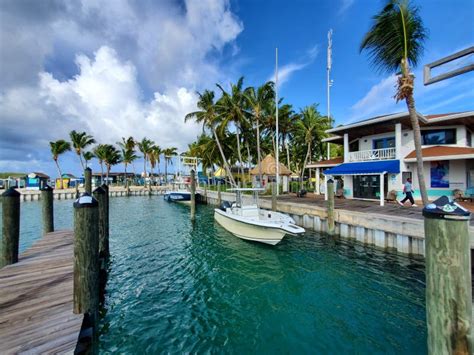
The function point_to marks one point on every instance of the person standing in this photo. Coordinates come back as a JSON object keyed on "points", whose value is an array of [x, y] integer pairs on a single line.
{"points": [[408, 191]]}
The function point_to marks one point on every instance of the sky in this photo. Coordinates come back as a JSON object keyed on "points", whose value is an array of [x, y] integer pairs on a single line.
{"points": [[120, 68]]}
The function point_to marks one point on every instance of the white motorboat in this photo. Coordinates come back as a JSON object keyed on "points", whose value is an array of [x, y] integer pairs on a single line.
{"points": [[249, 222]]}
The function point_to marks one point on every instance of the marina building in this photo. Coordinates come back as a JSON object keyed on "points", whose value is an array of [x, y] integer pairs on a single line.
{"points": [[379, 156]]}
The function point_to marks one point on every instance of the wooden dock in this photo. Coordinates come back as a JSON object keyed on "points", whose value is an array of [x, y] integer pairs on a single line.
{"points": [[36, 299]]}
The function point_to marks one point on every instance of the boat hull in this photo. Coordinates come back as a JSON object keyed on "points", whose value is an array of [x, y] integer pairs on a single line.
{"points": [[267, 235], [184, 197]]}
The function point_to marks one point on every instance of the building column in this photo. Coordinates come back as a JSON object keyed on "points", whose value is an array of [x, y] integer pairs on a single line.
{"points": [[382, 190], [346, 147], [398, 141], [329, 150], [317, 182]]}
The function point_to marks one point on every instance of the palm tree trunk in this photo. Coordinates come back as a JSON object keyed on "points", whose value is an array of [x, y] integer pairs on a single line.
{"points": [[259, 157], [126, 177], [224, 160], [101, 172], [82, 163], [59, 172], [107, 176], [240, 153], [419, 156], [288, 154], [166, 170], [304, 166]]}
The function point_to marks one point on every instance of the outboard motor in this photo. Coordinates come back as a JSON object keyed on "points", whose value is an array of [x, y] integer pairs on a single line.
{"points": [[225, 205]]}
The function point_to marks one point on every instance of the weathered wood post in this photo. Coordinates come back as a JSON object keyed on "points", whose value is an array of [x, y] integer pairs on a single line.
{"points": [[101, 196], [205, 194], [88, 180], [47, 209], [330, 206], [448, 278], [86, 256], [193, 194], [10, 227], [106, 218], [219, 197], [274, 196]]}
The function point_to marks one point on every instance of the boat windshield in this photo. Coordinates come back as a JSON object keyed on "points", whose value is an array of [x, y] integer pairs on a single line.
{"points": [[239, 200]]}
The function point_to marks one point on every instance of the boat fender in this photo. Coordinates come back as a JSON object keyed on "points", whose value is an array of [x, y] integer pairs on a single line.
{"points": [[225, 205]]}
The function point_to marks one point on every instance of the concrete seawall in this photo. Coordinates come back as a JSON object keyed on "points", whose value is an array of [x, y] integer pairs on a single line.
{"points": [[35, 195], [393, 233]]}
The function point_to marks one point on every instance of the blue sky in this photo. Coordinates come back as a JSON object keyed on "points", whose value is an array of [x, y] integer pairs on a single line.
{"points": [[119, 68]]}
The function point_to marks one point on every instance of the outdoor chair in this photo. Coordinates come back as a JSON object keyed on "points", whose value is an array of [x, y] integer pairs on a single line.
{"points": [[340, 193], [391, 196], [301, 193]]}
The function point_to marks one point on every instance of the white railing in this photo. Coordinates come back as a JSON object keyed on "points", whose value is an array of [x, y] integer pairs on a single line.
{"points": [[374, 154]]}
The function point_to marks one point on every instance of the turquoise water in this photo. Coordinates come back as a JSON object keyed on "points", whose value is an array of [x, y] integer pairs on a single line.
{"points": [[178, 287]]}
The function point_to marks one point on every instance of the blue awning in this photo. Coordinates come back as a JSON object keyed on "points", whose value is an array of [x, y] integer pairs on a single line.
{"points": [[372, 167]]}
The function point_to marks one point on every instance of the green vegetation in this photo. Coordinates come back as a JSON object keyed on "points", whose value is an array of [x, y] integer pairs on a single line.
{"points": [[6, 175], [242, 122], [57, 148]]}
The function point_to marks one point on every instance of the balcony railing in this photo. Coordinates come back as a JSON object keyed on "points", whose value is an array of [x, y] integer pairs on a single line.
{"points": [[374, 154]]}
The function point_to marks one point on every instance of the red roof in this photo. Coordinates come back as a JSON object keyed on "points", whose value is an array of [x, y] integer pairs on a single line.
{"points": [[442, 115], [441, 151], [334, 161]]}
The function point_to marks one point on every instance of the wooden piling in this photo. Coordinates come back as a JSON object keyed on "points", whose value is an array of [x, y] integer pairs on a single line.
{"points": [[205, 194], [86, 256], [107, 216], [100, 196], [47, 207], [274, 196], [10, 227], [448, 285], [330, 206], [88, 180], [193, 194], [219, 197]]}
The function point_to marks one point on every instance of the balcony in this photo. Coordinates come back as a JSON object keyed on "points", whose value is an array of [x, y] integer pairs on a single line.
{"points": [[374, 154]]}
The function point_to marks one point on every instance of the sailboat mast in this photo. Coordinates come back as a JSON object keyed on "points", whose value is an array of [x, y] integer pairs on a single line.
{"points": [[329, 83], [277, 148]]}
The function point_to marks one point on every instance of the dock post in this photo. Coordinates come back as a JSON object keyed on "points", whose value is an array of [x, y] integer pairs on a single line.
{"points": [[86, 256], [88, 180], [274, 196], [205, 193], [219, 197], [330, 206], [448, 278], [107, 214], [104, 253], [193, 194], [11, 227], [47, 209]]}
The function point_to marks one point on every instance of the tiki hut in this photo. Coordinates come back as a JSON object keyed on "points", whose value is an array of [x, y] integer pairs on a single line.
{"points": [[269, 173]]}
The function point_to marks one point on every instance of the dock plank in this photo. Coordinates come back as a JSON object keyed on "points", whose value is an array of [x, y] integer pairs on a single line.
{"points": [[36, 299]]}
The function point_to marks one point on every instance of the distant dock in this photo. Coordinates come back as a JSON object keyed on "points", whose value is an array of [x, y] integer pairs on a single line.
{"points": [[36, 299]]}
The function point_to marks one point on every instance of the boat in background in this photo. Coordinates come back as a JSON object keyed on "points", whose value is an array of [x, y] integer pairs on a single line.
{"points": [[180, 195], [249, 222]]}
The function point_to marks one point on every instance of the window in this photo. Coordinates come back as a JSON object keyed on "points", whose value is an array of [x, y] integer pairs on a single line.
{"points": [[469, 138], [354, 146], [438, 136], [382, 143]]}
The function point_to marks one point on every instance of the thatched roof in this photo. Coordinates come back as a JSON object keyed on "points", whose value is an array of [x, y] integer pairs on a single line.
{"points": [[269, 167]]}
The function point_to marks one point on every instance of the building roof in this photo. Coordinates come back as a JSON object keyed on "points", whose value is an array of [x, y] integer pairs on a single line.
{"points": [[326, 163], [383, 124], [41, 175], [269, 167], [444, 152]]}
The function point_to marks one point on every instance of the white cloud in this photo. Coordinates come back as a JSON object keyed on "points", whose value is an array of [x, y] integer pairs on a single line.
{"points": [[345, 5], [286, 71], [137, 74]]}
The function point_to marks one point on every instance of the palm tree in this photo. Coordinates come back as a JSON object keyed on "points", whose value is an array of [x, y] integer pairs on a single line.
{"points": [[80, 140], [394, 42], [231, 107], [57, 148], [87, 157], [169, 153], [128, 157], [145, 146], [257, 100], [100, 152], [111, 157], [310, 128], [209, 118], [128, 144], [154, 157]]}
